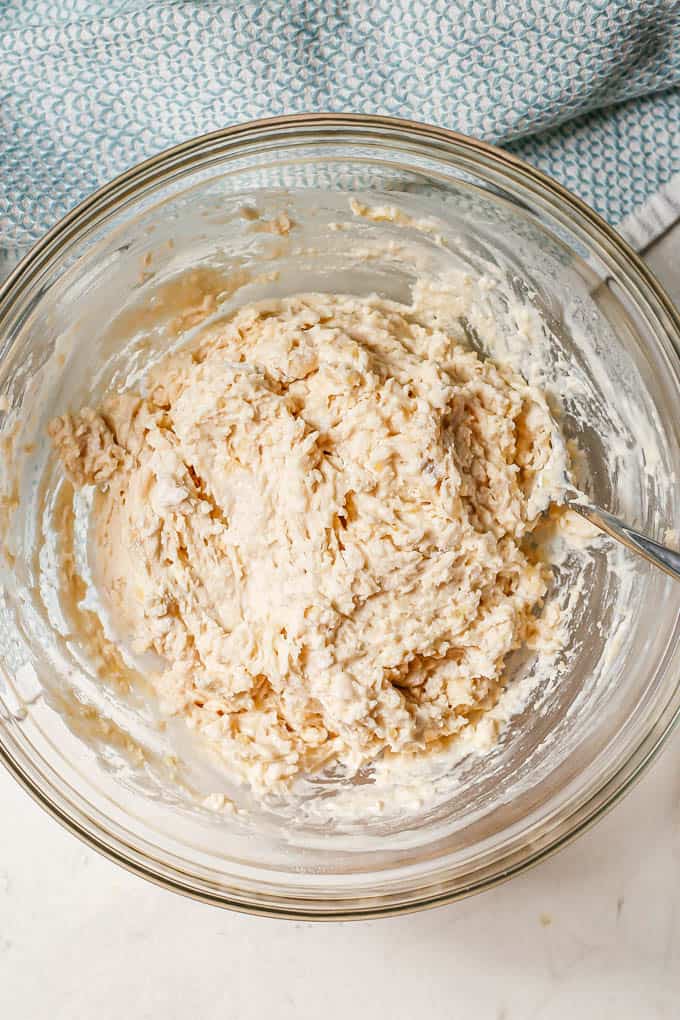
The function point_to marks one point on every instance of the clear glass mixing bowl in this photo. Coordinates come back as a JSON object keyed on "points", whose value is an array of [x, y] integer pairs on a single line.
{"points": [[605, 719]]}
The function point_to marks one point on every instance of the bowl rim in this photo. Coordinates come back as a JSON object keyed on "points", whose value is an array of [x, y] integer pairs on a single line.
{"points": [[108, 196]]}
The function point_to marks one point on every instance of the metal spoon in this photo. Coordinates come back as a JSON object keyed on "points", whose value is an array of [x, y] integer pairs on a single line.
{"points": [[654, 552], [660, 555]]}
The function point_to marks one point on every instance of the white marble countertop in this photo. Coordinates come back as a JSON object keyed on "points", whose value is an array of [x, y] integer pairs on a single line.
{"points": [[594, 932]]}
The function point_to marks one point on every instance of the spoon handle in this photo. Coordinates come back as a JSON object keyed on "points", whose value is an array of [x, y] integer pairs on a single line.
{"points": [[660, 555]]}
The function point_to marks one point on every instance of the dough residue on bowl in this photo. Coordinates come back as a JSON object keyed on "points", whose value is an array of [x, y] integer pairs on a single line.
{"points": [[314, 523]]}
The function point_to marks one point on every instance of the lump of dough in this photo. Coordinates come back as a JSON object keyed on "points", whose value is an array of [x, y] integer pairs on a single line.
{"points": [[315, 517]]}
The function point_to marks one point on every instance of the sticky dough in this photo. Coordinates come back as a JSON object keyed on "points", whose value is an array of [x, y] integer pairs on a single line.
{"points": [[316, 519]]}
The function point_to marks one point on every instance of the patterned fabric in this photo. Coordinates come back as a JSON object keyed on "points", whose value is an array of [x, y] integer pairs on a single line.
{"points": [[89, 87]]}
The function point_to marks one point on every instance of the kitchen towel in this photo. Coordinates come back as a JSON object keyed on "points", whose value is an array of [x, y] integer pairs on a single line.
{"points": [[587, 91]]}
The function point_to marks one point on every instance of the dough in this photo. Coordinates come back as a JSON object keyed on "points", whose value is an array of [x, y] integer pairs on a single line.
{"points": [[316, 520]]}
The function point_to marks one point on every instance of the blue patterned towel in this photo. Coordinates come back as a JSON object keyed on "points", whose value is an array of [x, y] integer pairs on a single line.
{"points": [[588, 90]]}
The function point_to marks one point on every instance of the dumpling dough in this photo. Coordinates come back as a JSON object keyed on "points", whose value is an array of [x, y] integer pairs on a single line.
{"points": [[316, 517]]}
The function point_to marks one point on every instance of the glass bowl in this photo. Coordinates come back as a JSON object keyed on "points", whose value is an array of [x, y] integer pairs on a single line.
{"points": [[578, 744]]}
